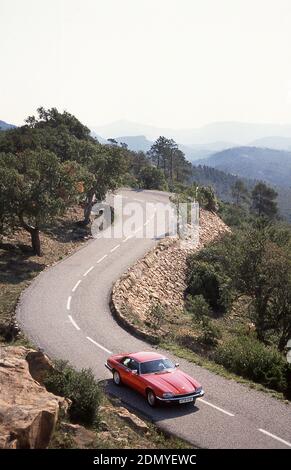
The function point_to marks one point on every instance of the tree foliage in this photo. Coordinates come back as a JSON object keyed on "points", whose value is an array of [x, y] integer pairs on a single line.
{"points": [[166, 156], [263, 201], [35, 188], [255, 262]]}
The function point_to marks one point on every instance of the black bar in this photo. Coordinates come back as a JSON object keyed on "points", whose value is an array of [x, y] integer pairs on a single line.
{"points": [[130, 458]]}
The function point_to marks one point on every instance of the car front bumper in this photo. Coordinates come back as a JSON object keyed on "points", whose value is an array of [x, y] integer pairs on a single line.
{"points": [[185, 398]]}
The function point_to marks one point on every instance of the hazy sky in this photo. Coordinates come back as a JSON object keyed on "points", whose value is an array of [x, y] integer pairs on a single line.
{"points": [[171, 63]]}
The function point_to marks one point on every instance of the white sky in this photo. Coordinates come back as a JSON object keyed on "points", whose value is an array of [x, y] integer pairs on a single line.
{"points": [[170, 63]]}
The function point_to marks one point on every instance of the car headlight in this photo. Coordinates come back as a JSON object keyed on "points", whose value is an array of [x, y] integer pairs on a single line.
{"points": [[168, 395], [198, 390]]}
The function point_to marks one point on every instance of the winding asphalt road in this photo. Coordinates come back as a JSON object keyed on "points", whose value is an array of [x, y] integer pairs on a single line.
{"points": [[65, 311]]}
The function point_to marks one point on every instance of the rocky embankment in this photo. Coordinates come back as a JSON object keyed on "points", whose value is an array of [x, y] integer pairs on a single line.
{"points": [[159, 278], [28, 412], [31, 417]]}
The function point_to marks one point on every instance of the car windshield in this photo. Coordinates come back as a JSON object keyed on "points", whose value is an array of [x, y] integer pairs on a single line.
{"points": [[156, 366]]}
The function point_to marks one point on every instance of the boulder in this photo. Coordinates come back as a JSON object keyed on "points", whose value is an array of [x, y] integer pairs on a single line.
{"points": [[39, 365], [28, 412], [133, 420]]}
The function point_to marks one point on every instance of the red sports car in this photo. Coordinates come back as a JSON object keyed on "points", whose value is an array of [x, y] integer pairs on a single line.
{"points": [[155, 377]]}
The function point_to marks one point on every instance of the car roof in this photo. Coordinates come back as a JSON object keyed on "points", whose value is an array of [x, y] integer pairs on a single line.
{"points": [[144, 356]]}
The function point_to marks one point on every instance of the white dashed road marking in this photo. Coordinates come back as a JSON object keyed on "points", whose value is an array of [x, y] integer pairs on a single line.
{"points": [[101, 259], [69, 303], [214, 406], [74, 323], [76, 285], [275, 437], [88, 270], [127, 238], [115, 248], [99, 345]]}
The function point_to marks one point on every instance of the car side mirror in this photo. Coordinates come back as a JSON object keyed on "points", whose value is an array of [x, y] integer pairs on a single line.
{"points": [[177, 364], [134, 371]]}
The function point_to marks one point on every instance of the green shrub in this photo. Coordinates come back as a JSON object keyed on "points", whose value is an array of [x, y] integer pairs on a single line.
{"points": [[251, 359], [210, 333], [197, 307], [78, 386], [200, 311], [207, 199], [156, 316], [207, 280]]}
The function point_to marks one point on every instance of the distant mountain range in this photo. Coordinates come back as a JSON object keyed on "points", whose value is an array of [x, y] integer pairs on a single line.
{"points": [[231, 134], [4, 126], [202, 142], [278, 143], [141, 143], [269, 165]]}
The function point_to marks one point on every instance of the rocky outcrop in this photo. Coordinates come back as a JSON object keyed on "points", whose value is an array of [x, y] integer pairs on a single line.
{"points": [[81, 438], [28, 412], [134, 421], [39, 365], [159, 278]]}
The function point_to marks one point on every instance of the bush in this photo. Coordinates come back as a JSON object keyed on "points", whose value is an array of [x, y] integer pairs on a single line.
{"points": [[251, 359], [207, 198], [78, 386], [199, 309], [151, 177], [156, 316], [207, 280], [210, 333]]}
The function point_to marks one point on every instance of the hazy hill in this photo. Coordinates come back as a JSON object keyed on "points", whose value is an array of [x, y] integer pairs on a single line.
{"points": [[192, 153], [4, 126], [136, 143], [272, 166], [141, 143], [278, 143], [231, 133]]}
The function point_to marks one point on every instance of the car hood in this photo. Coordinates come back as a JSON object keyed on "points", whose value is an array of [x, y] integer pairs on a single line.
{"points": [[175, 381]]}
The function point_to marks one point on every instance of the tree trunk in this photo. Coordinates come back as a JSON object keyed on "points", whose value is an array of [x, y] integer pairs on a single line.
{"points": [[88, 207], [35, 241], [34, 234]]}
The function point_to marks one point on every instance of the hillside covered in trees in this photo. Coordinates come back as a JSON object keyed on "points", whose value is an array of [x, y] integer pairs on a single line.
{"points": [[265, 164], [222, 183]]}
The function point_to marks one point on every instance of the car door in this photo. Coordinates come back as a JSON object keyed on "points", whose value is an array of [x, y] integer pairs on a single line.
{"points": [[134, 379], [124, 370], [129, 372]]}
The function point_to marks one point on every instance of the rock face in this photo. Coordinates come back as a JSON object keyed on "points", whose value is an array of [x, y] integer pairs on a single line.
{"points": [[160, 277], [28, 413]]}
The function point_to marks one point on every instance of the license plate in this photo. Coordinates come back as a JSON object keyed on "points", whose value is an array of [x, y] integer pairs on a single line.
{"points": [[186, 400]]}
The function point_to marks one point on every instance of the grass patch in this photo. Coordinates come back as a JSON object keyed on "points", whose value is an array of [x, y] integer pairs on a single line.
{"points": [[187, 354]]}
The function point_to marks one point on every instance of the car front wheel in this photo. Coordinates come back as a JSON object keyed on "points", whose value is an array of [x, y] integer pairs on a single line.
{"points": [[116, 378], [151, 398]]}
